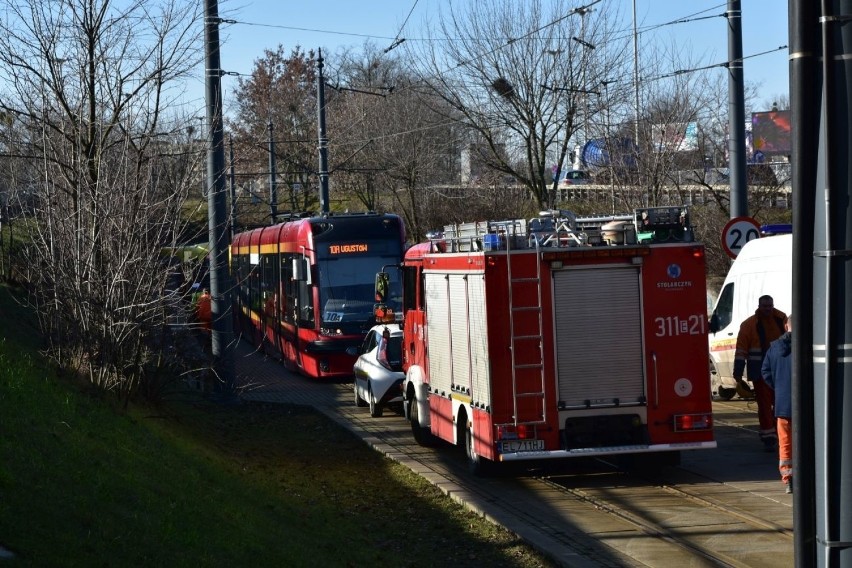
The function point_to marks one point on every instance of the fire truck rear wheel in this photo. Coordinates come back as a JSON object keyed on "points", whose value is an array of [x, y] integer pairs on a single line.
{"points": [[421, 435], [475, 463]]}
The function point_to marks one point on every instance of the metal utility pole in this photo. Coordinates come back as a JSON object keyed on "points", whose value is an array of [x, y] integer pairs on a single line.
{"points": [[323, 140], [805, 108], [736, 112], [635, 77], [820, 72], [220, 289], [638, 151], [273, 184], [831, 270]]}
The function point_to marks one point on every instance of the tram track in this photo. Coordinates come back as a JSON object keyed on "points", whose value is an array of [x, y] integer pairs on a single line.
{"points": [[714, 510], [705, 530], [678, 515]]}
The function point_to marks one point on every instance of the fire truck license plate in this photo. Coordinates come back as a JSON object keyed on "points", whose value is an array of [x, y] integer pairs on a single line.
{"points": [[510, 446]]}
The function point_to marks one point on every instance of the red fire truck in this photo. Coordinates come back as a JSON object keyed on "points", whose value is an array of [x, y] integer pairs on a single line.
{"points": [[559, 337]]}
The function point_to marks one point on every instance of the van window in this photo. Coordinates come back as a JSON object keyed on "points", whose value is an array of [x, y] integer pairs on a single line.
{"points": [[725, 306]]}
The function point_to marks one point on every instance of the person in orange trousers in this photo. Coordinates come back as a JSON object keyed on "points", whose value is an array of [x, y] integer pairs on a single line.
{"points": [[777, 371]]}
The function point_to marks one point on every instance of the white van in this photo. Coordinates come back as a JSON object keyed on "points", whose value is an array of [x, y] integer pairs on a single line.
{"points": [[763, 266]]}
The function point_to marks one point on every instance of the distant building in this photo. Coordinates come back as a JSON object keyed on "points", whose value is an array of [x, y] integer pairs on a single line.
{"points": [[474, 160]]}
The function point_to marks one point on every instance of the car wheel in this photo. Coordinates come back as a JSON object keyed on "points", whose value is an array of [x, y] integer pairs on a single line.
{"points": [[727, 394], [375, 407], [358, 400], [715, 380]]}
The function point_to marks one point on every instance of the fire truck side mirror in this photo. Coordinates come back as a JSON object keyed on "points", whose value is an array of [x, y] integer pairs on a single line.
{"points": [[714, 323], [382, 286]]}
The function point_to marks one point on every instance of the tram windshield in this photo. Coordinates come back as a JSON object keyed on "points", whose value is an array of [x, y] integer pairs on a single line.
{"points": [[347, 288]]}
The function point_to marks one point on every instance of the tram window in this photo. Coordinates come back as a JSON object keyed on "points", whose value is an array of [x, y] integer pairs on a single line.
{"points": [[267, 275], [306, 305], [289, 285]]}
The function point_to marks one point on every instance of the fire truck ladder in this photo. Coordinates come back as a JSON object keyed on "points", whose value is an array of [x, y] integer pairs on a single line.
{"points": [[517, 286]]}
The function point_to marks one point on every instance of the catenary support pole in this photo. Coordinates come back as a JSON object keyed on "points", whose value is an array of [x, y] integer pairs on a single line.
{"points": [[232, 218], [736, 112], [220, 290], [805, 108], [323, 139], [273, 182], [832, 292]]}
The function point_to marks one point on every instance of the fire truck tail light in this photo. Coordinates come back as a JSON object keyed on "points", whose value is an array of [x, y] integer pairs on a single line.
{"points": [[690, 422], [512, 432], [506, 433], [698, 252]]}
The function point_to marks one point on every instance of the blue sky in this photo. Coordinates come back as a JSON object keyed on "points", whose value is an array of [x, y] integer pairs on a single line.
{"points": [[332, 24]]}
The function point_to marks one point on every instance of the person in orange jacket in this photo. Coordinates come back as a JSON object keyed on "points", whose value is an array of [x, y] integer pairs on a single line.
{"points": [[753, 339], [204, 310]]}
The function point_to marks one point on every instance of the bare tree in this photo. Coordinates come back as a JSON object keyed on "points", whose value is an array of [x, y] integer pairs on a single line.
{"points": [[394, 139], [523, 76], [89, 82], [279, 94]]}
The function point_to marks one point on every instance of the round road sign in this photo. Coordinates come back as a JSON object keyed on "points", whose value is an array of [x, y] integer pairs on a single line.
{"points": [[737, 232]]}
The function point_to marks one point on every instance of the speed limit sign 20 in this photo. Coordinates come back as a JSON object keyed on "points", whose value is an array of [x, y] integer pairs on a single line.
{"points": [[737, 232]]}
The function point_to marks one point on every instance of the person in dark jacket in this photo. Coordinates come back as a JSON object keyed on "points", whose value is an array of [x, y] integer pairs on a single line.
{"points": [[755, 335], [777, 371]]}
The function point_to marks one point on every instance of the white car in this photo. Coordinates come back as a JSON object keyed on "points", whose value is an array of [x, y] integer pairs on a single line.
{"points": [[378, 369], [575, 177]]}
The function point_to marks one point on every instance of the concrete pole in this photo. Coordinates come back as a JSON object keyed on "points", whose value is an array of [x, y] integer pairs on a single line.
{"points": [[220, 289]]}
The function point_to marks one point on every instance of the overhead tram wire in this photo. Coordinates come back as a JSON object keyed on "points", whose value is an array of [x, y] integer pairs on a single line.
{"points": [[689, 18], [394, 41], [311, 30], [510, 41], [724, 64], [398, 40]]}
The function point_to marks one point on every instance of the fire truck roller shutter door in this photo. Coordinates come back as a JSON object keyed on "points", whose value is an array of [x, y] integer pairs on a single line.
{"points": [[599, 338], [438, 324]]}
